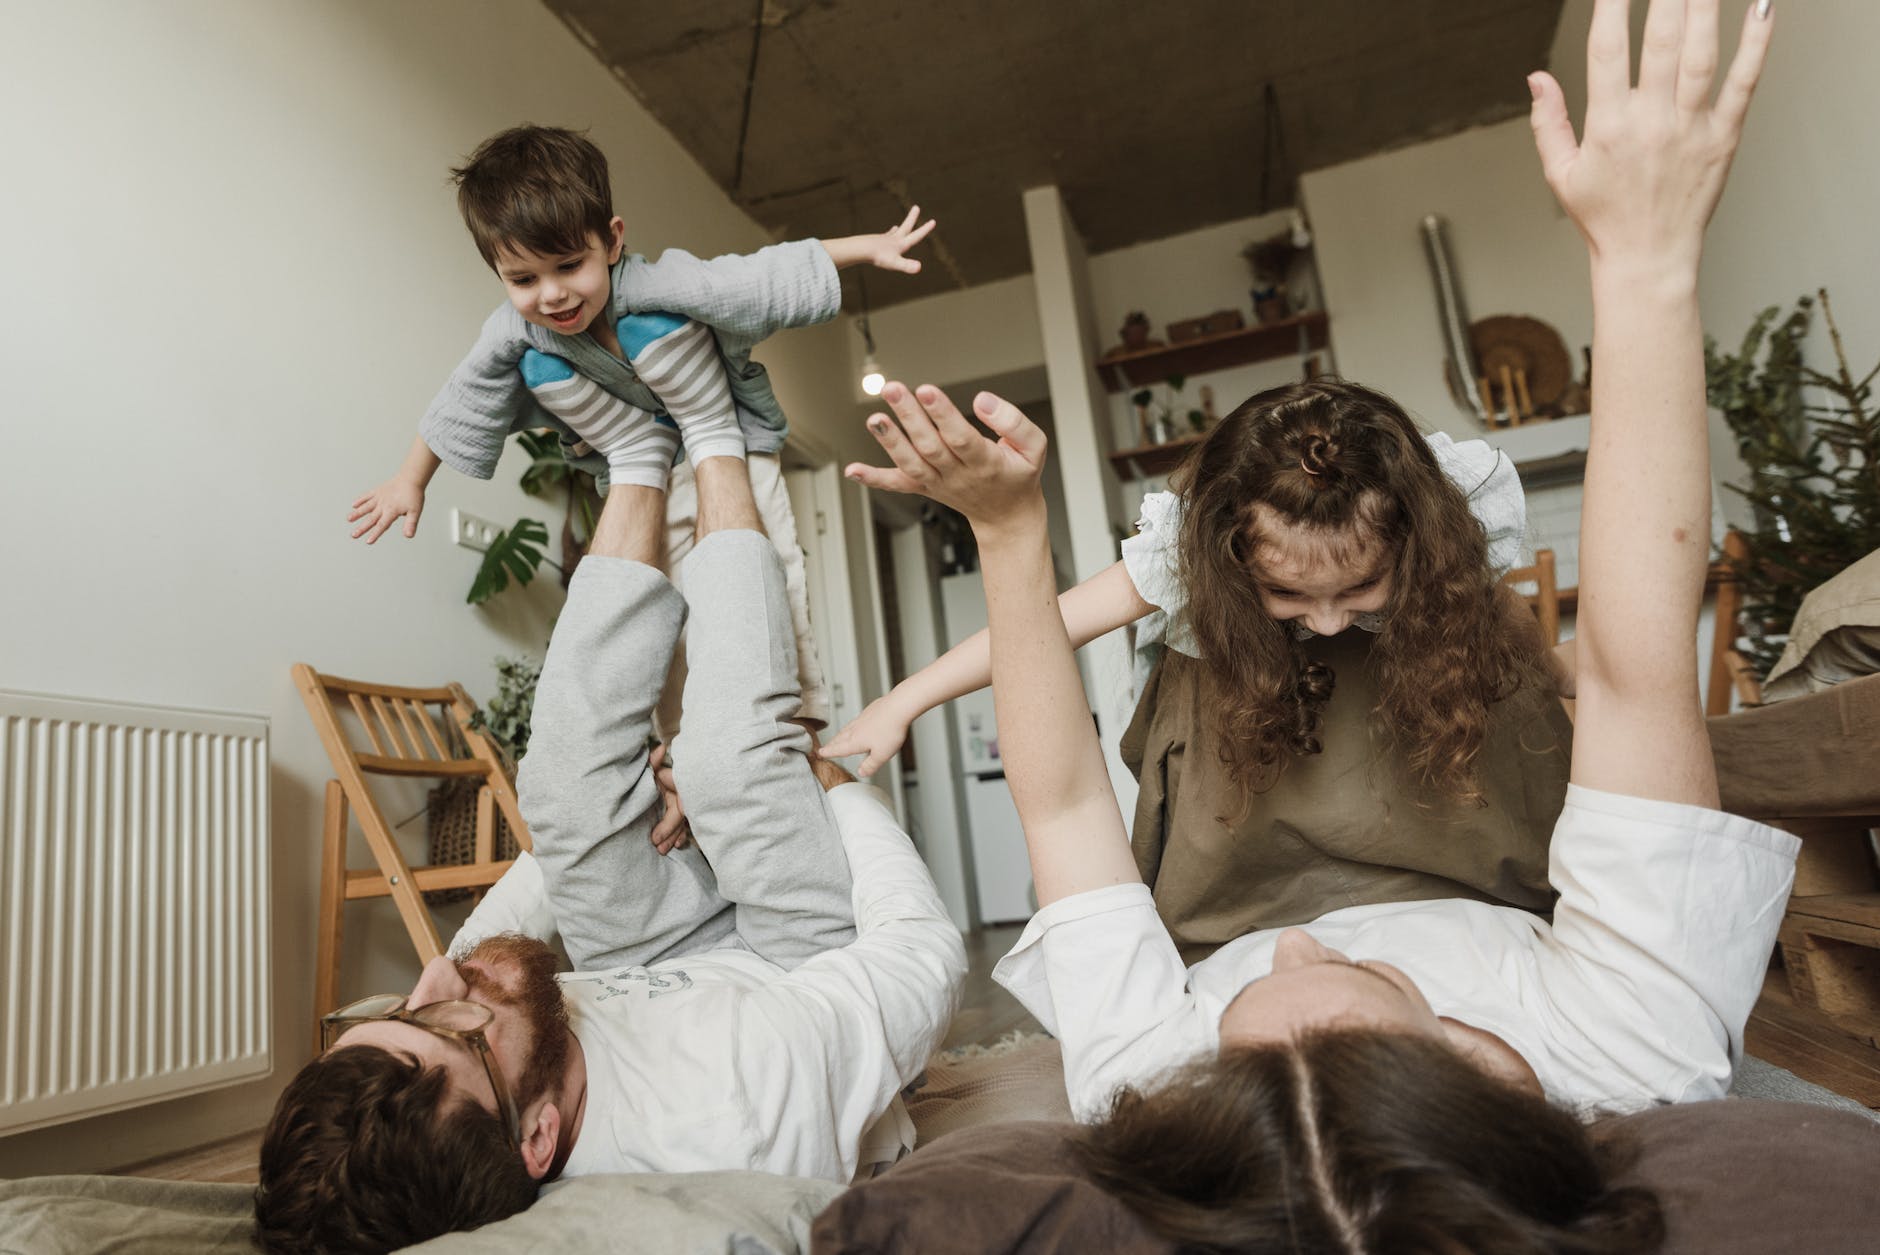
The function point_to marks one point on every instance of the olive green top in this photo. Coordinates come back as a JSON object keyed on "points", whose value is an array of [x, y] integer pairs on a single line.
{"points": [[1344, 827]]}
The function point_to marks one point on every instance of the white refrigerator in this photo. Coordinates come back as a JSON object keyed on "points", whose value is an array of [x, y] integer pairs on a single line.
{"points": [[1001, 870]]}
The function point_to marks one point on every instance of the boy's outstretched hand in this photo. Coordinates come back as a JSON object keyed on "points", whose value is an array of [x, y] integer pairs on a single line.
{"points": [[392, 500], [939, 453], [887, 250]]}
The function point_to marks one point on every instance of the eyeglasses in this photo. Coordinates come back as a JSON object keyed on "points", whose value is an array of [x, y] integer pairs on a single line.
{"points": [[452, 1019]]}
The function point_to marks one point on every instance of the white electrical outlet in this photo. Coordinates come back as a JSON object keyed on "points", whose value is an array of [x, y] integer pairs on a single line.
{"points": [[471, 532]]}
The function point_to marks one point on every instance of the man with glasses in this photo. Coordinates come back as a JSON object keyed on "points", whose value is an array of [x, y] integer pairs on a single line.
{"points": [[754, 1002]]}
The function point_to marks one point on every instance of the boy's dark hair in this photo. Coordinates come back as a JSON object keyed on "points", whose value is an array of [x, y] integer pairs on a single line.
{"points": [[366, 1152], [1357, 1141], [543, 188]]}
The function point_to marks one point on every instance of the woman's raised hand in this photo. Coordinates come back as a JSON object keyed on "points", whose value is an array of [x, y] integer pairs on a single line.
{"points": [[938, 453], [1645, 176]]}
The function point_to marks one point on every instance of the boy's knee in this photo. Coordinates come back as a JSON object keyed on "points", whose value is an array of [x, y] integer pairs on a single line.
{"points": [[638, 332], [540, 369], [703, 782]]}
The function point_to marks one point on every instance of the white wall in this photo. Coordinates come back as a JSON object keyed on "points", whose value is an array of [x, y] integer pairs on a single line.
{"points": [[1515, 253], [1172, 279], [956, 337], [238, 276], [1800, 209], [1803, 206], [1798, 213]]}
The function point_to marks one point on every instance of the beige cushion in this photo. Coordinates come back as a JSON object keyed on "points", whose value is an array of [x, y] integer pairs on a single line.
{"points": [[1835, 636]]}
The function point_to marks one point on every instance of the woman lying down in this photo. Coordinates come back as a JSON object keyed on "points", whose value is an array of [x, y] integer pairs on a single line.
{"points": [[1407, 1076]]}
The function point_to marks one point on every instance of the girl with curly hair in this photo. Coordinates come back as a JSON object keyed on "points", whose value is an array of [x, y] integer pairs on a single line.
{"points": [[1289, 765]]}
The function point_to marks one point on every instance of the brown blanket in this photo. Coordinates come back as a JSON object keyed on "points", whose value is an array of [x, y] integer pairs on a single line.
{"points": [[1733, 1178]]}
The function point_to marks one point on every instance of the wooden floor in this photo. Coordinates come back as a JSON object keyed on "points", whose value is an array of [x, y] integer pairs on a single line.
{"points": [[233, 1159], [987, 1012], [1840, 1055]]}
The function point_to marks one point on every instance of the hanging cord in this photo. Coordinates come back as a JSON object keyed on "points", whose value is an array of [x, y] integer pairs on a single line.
{"points": [[750, 85], [861, 272], [1273, 144]]}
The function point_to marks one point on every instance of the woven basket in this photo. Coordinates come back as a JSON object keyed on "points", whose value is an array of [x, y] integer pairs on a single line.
{"points": [[450, 823]]}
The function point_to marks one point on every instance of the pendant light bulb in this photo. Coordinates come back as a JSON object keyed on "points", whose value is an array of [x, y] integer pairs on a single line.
{"points": [[872, 378]]}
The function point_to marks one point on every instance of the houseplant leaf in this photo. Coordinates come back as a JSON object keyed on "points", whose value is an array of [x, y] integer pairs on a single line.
{"points": [[515, 553]]}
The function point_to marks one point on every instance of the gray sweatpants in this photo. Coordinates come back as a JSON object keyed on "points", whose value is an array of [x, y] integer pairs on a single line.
{"points": [[767, 871]]}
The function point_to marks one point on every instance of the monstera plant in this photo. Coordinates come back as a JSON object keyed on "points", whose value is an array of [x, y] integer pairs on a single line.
{"points": [[520, 550]]}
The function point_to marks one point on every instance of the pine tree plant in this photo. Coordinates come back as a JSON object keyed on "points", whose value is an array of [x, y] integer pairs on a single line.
{"points": [[1811, 441]]}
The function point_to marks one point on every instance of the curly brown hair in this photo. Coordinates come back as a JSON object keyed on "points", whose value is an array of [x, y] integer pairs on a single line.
{"points": [[1335, 457], [1351, 1141], [365, 1153]]}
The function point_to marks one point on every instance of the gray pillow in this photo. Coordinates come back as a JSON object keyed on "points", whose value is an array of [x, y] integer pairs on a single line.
{"points": [[700, 1213]]}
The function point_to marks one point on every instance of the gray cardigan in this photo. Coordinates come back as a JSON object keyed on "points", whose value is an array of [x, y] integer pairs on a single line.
{"points": [[742, 298]]}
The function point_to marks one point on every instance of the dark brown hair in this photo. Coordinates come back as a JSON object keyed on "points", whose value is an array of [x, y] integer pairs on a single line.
{"points": [[365, 1153], [542, 188], [1335, 457], [1361, 1141]]}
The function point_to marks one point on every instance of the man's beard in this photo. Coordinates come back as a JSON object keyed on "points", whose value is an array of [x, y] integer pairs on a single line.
{"points": [[519, 972]]}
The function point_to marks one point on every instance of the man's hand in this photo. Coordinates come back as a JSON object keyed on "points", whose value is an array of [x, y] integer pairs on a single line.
{"points": [[938, 453], [673, 831], [878, 732], [392, 500], [887, 250]]}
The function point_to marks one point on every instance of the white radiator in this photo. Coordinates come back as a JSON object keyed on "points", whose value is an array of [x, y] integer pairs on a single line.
{"points": [[133, 905]]}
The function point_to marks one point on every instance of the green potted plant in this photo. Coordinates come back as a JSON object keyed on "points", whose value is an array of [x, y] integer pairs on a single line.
{"points": [[1162, 419], [1811, 441], [1135, 330], [520, 550]]}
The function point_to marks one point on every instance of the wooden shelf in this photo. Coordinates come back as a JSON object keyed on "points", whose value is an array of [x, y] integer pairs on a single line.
{"points": [[1151, 460], [1560, 468], [1288, 337]]}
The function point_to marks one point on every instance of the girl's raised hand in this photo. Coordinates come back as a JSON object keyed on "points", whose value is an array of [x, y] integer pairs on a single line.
{"points": [[1644, 178], [878, 733], [938, 453]]}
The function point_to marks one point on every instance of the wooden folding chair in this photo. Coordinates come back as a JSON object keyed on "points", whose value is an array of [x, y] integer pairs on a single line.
{"points": [[1729, 670], [1545, 599], [404, 740]]}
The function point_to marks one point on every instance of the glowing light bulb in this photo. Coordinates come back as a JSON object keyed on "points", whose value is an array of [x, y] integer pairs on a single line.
{"points": [[872, 378]]}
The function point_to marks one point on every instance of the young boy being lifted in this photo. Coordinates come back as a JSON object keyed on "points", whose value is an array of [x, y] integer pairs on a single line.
{"points": [[603, 346]]}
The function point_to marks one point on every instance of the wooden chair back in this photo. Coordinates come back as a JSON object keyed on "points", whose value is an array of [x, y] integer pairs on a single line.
{"points": [[1729, 670], [1545, 599], [390, 730]]}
